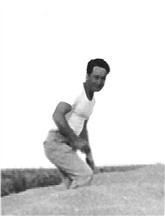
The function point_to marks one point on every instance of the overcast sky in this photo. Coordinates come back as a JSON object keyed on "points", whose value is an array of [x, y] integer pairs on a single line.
{"points": [[45, 48]]}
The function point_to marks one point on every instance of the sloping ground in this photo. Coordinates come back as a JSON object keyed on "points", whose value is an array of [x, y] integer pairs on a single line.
{"points": [[136, 192]]}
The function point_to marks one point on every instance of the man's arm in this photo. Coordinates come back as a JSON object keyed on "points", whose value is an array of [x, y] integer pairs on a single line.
{"points": [[84, 133], [89, 157], [59, 118]]}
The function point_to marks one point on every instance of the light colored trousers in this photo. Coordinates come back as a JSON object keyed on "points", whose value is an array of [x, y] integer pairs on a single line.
{"points": [[74, 171]]}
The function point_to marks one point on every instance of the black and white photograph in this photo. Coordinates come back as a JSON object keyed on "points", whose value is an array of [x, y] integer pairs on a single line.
{"points": [[82, 110]]}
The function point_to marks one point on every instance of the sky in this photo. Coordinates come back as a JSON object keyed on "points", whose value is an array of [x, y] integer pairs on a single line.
{"points": [[45, 48]]}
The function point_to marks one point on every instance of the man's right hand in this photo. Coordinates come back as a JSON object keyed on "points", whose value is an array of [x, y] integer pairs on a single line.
{"points": [[82, 145]]}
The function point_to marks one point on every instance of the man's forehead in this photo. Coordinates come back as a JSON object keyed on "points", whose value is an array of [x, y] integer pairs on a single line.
{"points": [[99, 71]]}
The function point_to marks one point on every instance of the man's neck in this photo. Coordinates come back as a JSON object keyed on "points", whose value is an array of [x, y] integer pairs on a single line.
{"points": [[88, 91]]}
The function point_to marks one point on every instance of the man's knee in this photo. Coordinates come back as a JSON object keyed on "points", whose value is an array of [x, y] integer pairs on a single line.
{"points": [[88, 176]]}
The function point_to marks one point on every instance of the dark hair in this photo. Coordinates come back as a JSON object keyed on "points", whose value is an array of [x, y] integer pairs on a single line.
{"points": [[97, 62]]}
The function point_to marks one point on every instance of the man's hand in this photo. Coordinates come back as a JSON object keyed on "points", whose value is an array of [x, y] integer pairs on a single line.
{"points": [[90, 161], [82, 145]]}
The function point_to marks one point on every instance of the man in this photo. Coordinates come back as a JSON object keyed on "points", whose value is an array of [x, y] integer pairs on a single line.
{"points": [[71, 135]]}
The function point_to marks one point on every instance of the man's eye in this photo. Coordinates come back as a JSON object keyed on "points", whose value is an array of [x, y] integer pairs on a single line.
{"points": [[96, 77]]}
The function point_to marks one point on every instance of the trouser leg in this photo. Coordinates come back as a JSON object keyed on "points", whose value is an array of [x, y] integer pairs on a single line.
{"points": [[81, 181], [66, 181], [67, 160]]}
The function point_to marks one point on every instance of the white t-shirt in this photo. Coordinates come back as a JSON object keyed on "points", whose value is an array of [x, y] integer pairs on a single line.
{"points": [[82, 108]]}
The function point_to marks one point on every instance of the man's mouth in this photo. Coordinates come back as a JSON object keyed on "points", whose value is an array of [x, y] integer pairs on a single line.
{"points": [[98, 87]]}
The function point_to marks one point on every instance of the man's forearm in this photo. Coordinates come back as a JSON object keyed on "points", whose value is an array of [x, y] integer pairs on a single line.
{"points": [[89, 157], [84, 132], [74, 141], [90, 161], [84, 135], [65, 129]]}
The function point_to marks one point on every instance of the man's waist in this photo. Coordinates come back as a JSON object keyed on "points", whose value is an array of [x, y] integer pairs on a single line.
{"points": [[56, 135]]}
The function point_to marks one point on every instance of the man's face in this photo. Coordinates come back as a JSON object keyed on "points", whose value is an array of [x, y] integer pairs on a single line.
{"points": [[96, 79]]}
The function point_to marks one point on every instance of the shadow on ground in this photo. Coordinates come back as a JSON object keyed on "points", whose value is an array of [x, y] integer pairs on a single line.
{"points": [[135, 192]]}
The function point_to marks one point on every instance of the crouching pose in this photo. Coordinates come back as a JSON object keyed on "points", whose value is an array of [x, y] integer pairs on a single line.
{"points": [[71, 120]]}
